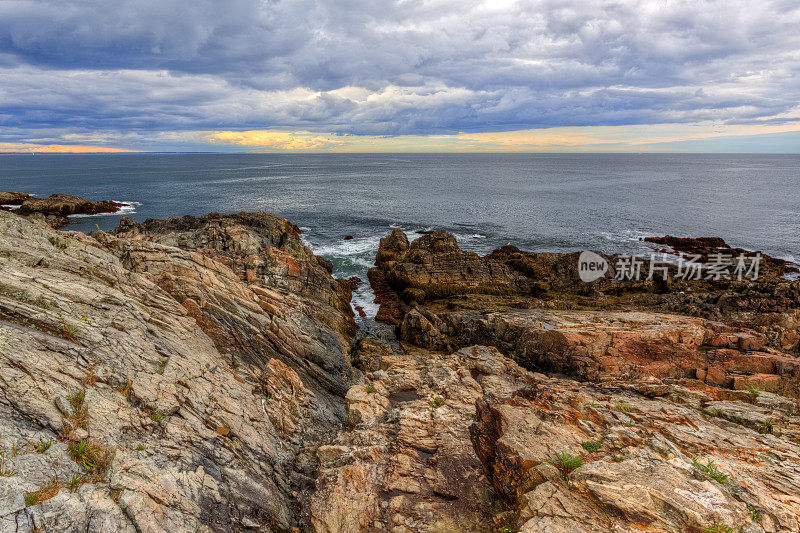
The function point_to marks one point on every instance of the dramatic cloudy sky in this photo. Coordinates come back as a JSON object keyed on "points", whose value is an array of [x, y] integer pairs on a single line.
{"points": [[404, 75]]}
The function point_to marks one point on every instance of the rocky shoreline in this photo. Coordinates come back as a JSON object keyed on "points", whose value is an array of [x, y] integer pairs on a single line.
{"points": [[207, 374], [55, 208]]}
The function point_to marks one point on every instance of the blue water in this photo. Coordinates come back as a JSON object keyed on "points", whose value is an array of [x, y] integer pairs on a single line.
{"points": [[537, 202]]}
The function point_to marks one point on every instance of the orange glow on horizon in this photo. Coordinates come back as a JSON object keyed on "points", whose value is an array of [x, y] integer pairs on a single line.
{"points": [[58, 148]]}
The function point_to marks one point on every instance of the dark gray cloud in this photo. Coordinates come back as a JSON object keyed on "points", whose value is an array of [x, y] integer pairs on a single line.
{"points": [[391, 67]]}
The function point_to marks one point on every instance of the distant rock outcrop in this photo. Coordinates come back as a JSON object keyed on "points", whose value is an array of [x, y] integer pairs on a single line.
{"points": [[57, 207]]}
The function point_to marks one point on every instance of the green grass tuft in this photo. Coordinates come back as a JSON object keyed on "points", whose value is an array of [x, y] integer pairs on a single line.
{"points": [[371, 388], [93, 458], [44, 493], [711, 470], [78, 402], [436, 402], [71, 332], [622, 405], [75, 481], [592, 446], [565, 462], [43, 445], [60, 244], [77, 399]]}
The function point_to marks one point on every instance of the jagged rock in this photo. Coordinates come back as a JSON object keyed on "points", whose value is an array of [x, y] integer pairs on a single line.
{"points": [[64, 205], [173, 346], [548, 319], [637, 458], [433, 266], [433, 272], [407, 464], [609, 345], [253, 287], [205, 366], [705, 246], [13, 198], [422, 329], [55, 209]]}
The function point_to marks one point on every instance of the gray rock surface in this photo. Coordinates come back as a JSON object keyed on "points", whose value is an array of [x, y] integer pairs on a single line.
{"points": [[207, 387]]}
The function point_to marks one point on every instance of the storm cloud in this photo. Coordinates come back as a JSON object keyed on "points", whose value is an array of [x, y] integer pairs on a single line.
{"points": [[391, 67]]}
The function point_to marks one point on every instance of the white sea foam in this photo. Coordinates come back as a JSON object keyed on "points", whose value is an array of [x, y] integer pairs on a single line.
{"points": [[462, 237], [364, 298], [350, 248], [127, 208], [11, 207]]}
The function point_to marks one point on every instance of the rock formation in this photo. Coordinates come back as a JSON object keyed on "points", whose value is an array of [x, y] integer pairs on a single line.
{"points": [[57, 207], [674, 396], [206, 374], [166, 377], [13, 198]]}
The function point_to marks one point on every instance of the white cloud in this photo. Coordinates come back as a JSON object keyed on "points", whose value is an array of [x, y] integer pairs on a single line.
{"points": [[392, 67]]}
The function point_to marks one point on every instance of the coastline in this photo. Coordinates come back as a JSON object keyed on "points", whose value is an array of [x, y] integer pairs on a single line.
{"points": [[210, 370]]}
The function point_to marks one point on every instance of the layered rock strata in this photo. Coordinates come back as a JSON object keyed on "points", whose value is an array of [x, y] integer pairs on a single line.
{"points": [[160, 380]]}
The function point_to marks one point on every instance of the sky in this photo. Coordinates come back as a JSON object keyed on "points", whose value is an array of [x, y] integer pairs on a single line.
{"points": [[400, 76]]}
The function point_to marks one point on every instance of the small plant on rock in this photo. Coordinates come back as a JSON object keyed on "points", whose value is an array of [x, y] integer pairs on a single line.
{"points": [[156, 416], [711, 470], [60, 244], [75, 481], [566, 462], [715, 411], [752, 389], [371, 388], [768, 424], [592, 446], [162, 365], [43, 445], [80, 412], [93, 458], [436, 402], [76, 399], [44, 493], [622, 405], [5, 472], [71, 332], [141, 447]]}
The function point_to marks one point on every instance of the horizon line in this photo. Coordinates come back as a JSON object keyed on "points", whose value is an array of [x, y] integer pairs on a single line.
{"points": [[145, 152]]}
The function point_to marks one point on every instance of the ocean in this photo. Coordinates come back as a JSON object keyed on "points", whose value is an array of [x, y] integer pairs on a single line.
{"points": [[539, 202]]}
